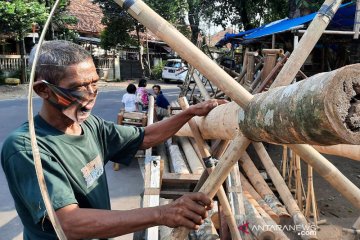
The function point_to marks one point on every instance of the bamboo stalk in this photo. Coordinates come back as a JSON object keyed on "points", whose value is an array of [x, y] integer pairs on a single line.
{"points": [[309, 191], [255, 220], [205, 155], [279, 234], [250, 190], [284, 160], [235, 194], [344, 150], [261, 186], [283, 191], [298, 182]]}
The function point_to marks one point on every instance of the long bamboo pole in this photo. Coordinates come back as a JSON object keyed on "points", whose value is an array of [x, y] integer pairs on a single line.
{"points": [[230, 219], [216, 75]]}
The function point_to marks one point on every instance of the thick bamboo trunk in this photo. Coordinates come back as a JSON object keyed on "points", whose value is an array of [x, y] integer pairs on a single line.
{"points": [[323, 110], [344, 150], [220, 123]]}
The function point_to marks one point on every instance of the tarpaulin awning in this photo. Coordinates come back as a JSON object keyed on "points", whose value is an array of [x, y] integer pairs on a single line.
{"points": [[343, 20]]}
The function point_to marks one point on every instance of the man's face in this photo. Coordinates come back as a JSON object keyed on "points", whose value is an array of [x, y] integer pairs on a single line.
{"points": [[156, 90], [81, 79]]}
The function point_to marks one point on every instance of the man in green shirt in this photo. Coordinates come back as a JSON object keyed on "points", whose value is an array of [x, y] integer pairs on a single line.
{"points": [[74, 147]]}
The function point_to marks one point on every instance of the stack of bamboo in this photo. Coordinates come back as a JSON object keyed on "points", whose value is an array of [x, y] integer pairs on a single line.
{"points": [[328, 115]]}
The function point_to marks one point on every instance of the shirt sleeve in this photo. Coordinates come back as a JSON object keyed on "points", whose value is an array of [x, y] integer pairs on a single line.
{"points": [[23, 183], [121, 142]]}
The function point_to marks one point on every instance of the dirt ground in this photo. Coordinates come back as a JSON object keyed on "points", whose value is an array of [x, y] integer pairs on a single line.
{"points": [[335, 209]]}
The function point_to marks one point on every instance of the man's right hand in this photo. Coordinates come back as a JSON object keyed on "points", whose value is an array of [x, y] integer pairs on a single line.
{"points": [[187, 211]]}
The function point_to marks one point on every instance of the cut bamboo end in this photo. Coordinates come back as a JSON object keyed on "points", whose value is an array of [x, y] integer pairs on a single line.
{"points": [[325, 110]]}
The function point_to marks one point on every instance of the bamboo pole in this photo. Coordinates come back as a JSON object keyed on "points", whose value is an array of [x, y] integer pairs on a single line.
{"points": [[344, 150], [192, 159], [209, 167], [220, 123], [250, 190], [235, 194], [279, 234], [255, 220], [284, 161], [283, 191], [261, 186], [298, 182]]}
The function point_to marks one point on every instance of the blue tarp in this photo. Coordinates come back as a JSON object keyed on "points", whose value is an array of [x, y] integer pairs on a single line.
{"points": [[343, 20]]}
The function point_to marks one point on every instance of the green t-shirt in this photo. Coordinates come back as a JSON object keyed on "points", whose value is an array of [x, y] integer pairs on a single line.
{"points": [[73, 168]]}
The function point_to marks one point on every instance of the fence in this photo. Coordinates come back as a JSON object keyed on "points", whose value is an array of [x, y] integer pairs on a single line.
{"points": [[11, 62]]}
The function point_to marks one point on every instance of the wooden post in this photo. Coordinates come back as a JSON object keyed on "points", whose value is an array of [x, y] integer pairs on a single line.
{"points": [[272, 74], [250, 69]]}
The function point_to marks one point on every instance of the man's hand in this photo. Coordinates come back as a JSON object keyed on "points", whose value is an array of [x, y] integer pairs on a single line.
{"points": [[203, 108], [187, 211]]}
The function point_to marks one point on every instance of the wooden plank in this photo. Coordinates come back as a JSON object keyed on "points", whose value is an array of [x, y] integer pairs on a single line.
{"points": [[180, 178]]}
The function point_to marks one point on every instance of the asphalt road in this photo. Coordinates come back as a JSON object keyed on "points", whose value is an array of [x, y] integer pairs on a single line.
{"points": [[125, 186]]}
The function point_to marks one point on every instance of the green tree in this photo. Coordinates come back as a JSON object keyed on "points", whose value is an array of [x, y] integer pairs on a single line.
{"points": [[16, 20], [245, 14], [60, 21]]}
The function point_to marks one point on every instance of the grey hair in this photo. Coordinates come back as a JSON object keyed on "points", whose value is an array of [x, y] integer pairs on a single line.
{"points": [[55, 57]]}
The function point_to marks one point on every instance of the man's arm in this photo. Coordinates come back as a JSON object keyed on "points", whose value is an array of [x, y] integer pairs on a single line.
{"points": [[162, 130], [79, 223]]}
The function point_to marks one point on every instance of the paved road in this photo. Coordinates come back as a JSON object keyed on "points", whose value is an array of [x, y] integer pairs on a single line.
{"points": [[125, 186]]}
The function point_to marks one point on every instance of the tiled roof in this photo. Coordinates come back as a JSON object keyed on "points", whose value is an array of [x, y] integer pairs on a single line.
{"points": [[89, 16]]}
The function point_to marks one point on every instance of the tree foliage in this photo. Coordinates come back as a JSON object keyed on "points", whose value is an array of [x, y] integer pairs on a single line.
{"points": [[17, 17], [247, 14], [119, 23]]}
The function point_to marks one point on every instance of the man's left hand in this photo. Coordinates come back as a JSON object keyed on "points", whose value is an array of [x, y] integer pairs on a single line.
{"points": [[203, 108]]}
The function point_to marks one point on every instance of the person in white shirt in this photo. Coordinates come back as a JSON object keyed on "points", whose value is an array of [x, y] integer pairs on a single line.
{"points": [[129, 99]]}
